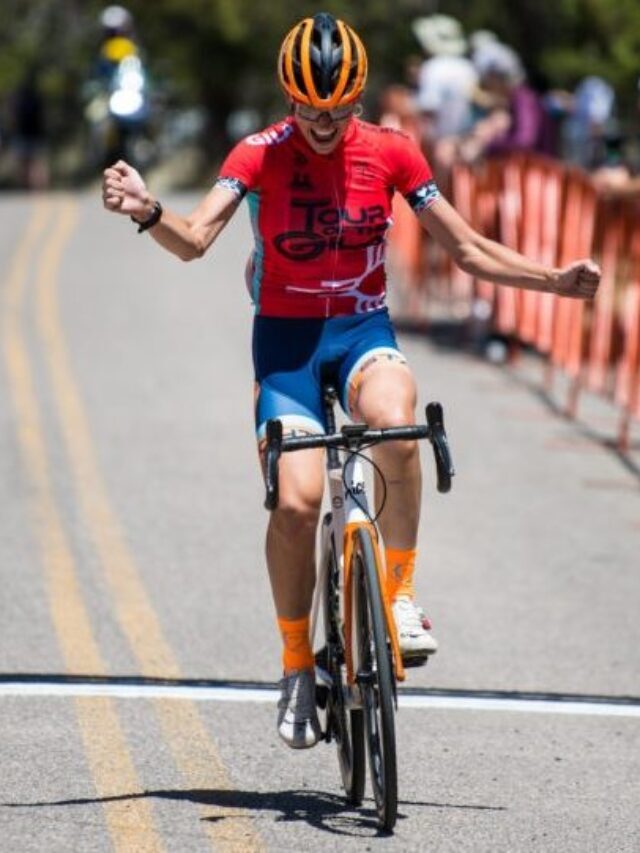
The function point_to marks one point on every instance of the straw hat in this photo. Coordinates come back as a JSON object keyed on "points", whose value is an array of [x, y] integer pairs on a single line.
{"points": [[440, 35]]}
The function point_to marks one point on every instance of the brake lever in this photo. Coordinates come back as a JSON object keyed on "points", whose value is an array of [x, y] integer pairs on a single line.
{"points": [[273, 451], [439, 442]]}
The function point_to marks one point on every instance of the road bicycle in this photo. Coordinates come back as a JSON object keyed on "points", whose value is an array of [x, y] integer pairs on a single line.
{"points": [[359, 663]]}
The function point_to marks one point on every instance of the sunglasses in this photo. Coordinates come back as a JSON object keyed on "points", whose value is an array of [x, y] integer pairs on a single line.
{"points": [[310, 114]]}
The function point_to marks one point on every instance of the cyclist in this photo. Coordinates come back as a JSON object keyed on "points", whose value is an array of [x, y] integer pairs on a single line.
{"points": [[319, 185]]}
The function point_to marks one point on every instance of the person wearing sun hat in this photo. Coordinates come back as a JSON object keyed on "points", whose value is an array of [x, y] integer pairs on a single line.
{"points": [[447, 78]]}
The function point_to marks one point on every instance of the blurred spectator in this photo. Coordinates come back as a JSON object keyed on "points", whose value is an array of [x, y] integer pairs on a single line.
{"points": [[397, 109], [412, 66], [117, 94], [589, 121], [118, 43], [616, 178], [27, 121], [446, 81], [482, 46], [516, 116]]}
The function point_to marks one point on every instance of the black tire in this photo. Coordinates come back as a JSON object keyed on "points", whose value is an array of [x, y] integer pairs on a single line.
{"points": [[376, 681], [345, 725]]}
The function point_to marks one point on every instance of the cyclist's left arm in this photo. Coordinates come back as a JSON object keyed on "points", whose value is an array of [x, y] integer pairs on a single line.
{"points": [[492, 261]]}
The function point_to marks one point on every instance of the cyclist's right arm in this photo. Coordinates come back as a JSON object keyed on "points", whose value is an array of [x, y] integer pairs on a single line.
{"points": [[124, 191]]}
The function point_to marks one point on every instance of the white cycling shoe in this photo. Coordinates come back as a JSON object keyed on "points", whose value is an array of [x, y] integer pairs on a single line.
{"points": [[416, 643], [298, 723]]}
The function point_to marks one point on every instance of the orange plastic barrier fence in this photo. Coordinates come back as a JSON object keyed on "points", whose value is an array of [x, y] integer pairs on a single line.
{"points": [[627, 386], [552, 213]]}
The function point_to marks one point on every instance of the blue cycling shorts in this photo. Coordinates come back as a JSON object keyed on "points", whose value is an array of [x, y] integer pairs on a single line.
{"points": [[293, 356]]}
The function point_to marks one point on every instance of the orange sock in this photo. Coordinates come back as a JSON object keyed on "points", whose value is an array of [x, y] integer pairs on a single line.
{"points": [[297, 652], [400, 568]]}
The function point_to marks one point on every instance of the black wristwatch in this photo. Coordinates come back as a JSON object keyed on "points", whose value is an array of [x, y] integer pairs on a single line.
{"points": [[154, 217]]}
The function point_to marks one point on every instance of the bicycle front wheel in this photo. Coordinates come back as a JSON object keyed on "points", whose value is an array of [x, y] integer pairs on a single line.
{"points": [[375, 679], [344, 724]]}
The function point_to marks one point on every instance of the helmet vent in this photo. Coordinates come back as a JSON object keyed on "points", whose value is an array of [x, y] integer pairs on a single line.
{"points": [[322, 63]]}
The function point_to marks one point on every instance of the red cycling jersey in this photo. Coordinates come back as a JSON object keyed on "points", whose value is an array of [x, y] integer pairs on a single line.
{"points": [[320, 220]]}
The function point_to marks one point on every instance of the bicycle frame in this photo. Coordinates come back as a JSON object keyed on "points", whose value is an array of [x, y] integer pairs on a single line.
{"points": [[361, 653], [347, 495], [350, 511]]}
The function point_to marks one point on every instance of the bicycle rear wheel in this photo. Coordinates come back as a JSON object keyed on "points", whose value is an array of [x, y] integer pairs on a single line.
{"points": [[375, 678], [344, 724]]}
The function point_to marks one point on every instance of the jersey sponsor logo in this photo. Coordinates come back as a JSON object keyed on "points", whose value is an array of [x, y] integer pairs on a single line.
{"points": [[355, 489], [351, 288], [364, 169], [326, 227], [301, 181], [423, 197], [233, 184], [273, 136]]}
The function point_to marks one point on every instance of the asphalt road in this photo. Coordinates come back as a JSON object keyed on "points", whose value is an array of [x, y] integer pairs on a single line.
{"points": [[131, 546]]}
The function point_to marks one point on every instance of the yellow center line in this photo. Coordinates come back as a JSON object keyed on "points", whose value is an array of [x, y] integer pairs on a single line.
{"points": [[194, 752], [130, 824]]}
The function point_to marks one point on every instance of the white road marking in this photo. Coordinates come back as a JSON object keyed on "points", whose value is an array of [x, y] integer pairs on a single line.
{"points": [[196, 693], [529, 706]]}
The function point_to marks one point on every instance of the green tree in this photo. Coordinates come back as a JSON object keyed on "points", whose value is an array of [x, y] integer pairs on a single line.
{"points": [[221, 53]]}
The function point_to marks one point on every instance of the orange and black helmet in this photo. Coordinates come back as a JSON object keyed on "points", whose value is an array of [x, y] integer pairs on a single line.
{"points": [[322, 63]]}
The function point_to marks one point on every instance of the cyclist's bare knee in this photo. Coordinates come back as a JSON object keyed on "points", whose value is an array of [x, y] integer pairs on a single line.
{"points": [[386, 396], [295, 516], [301, 483]]}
